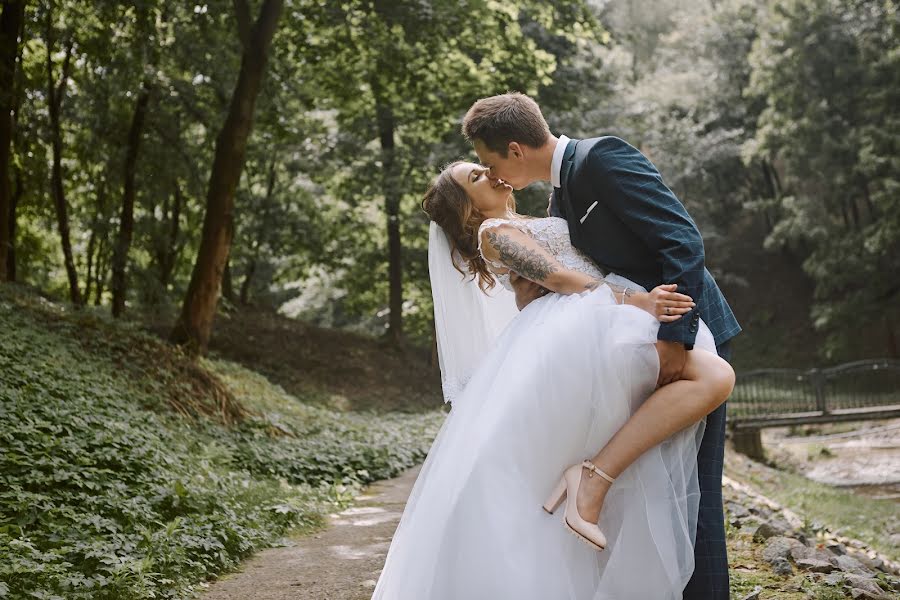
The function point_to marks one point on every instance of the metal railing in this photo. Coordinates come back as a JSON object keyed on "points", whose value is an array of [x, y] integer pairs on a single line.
{"points": [[866, 389]]}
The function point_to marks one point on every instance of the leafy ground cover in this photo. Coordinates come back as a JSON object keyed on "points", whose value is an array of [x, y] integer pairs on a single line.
{"points": [[127, 471]]}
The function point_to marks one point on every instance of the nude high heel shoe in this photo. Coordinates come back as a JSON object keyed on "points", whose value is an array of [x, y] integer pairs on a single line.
{"points": [[567, 489]]}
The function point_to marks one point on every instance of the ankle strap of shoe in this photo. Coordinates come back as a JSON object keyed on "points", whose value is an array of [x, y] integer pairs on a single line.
{"points": [[592, 467]]}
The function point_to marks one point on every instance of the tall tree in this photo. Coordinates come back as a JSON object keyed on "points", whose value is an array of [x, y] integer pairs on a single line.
{"points": [[261, 233], [99, 210], [56, 92], [830, 74], [400, 82], [166, 247], [126, 219], [11, 23], [194, 326]]}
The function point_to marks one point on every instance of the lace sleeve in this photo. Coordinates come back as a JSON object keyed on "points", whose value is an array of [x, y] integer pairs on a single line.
{"points": [[493, 224]]}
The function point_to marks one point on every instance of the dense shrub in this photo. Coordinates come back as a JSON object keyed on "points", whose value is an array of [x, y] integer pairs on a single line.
{"points": [[103, 496]]}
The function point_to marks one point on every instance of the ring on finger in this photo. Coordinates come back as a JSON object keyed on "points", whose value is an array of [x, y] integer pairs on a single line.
{"points": [[667, 310]]}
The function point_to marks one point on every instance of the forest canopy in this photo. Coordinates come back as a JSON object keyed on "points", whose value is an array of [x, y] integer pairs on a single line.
{"points": [[179, 159]]}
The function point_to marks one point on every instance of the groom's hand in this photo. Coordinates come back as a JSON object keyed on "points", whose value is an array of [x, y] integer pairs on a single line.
{"points": [[526, 290], [672, 356]]}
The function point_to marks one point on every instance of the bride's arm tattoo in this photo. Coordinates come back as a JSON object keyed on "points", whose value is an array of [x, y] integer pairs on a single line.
{"points": [[527, 263]]}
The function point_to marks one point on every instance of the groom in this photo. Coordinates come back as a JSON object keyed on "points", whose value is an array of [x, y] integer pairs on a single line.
{"points": [[622, 215]]}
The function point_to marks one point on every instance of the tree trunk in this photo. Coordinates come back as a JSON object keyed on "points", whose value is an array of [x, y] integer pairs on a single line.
{"points": [[14, 205], [261, 234], [248, 280], [126, 220], [92, 251], [385, 116], [773, 187], [20, 185], [227, 286], [11, 23], [867, 196], [169, 253], [854, 212], [55, 95], [89, 275], [100, 271], [194, 326]]}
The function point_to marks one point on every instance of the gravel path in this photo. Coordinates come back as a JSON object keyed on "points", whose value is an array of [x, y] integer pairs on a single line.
{"points": [[338, 563]]}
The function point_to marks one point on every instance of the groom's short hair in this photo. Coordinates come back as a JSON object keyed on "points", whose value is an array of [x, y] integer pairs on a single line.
{"points": [[499, 120]]}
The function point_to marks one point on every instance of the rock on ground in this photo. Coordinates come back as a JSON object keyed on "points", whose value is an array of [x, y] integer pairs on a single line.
{"points": [[820, 556]]}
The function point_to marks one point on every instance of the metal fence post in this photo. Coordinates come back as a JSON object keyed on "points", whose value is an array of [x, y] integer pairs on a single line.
{"points": [[818, 380]]}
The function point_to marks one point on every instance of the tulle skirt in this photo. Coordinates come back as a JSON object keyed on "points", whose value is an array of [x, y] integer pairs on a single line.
{"points": [[560, 380]]}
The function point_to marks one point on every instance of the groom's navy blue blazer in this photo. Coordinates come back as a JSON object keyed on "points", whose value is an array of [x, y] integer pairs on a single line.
{"points": [[622, 215]]}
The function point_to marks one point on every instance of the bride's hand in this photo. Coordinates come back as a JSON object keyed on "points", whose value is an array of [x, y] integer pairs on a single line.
{"points": [[664, 303], [526, 290]]}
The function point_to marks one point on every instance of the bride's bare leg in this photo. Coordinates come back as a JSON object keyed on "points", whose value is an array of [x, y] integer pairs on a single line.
{"points": [[707, 382]]}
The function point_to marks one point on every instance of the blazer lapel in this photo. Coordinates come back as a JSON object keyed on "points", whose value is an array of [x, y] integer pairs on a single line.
{"points": [[559, 200], [563, 203], [568, 159], [556, 209]]}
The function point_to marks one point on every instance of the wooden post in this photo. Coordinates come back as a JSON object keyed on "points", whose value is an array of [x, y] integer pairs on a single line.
{"points": [[748, 442]]}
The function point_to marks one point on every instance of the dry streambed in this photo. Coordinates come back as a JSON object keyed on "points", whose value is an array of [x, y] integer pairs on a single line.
{"points": [[865, 459]]}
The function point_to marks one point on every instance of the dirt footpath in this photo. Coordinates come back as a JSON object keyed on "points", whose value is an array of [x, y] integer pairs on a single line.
{"points": [[338, 563]]}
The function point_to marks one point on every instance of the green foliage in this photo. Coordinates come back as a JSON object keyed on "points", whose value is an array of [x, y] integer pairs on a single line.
{"points": [[391, 67], [315, 194], [776, 124], [828, 72], [102, 497]]}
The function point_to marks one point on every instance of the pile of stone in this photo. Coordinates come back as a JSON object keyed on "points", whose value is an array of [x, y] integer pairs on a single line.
{"points": [[789, 544]]}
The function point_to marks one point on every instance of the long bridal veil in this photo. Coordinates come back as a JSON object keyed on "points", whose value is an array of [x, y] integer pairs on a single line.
{"points": [[467, 320]]}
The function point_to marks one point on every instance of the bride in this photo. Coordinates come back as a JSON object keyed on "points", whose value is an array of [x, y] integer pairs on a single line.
{"points": [[533, 394]]}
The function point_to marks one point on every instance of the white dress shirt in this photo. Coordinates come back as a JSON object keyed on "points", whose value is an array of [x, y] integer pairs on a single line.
{"points": [[556, 162]]}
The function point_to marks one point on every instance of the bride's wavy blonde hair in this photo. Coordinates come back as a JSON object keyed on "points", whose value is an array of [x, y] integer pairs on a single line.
{"points": [[447, 204]]}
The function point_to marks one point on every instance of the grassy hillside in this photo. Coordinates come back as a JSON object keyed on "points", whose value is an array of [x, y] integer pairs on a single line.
{"points": [[127, 471], [331, 367]]}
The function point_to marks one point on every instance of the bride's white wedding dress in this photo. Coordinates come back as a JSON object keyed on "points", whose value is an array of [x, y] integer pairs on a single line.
{"points": [[560, 379]]}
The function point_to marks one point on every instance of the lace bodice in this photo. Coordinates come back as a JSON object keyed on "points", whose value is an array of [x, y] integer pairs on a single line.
{"points": [[550, 232]]}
